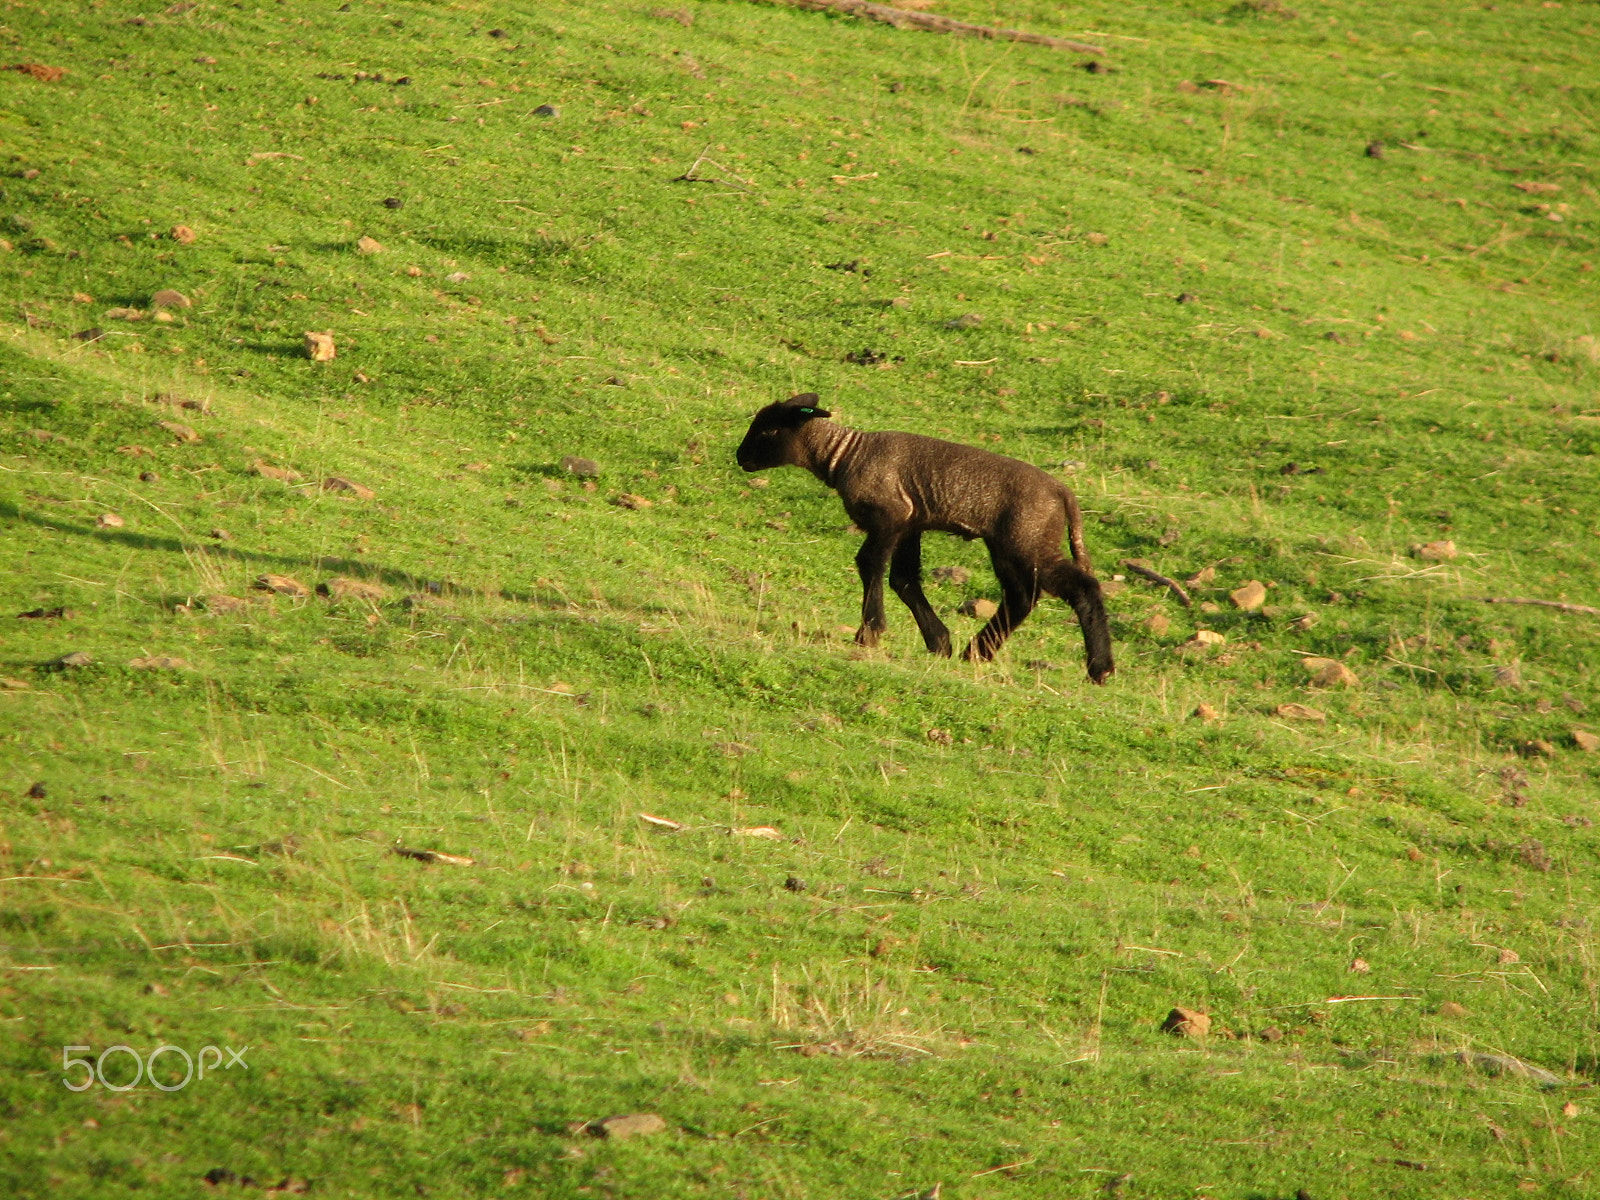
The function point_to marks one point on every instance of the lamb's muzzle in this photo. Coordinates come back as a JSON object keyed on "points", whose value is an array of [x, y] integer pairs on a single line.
{"points": [[897, 486]]}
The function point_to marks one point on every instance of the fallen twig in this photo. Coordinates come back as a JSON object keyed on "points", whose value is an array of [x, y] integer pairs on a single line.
{"points": [[689, 176], [1555, 604], [1172, 585], [902, 18]]}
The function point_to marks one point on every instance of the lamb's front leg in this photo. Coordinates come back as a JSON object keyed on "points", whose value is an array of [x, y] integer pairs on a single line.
{"points": [[905, 577], [871, 562]]}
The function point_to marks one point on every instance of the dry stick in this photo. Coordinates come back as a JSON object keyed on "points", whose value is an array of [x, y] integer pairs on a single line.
{"points": [[903, 19], [1173, 585], [1556, 604]]}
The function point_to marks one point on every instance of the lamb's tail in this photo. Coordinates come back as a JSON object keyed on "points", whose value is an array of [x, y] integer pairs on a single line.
{"points": [[1080, 552]]}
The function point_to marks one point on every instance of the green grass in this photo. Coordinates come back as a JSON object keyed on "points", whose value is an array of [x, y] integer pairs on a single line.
{"points": [[991, 884]]}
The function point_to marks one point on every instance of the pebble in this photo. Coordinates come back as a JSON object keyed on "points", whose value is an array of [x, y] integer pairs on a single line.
{"points": [[955, 575], [338, 483], [76, 658], [964, 321], [169, 298], [1434, 551], [1329, 672], [368, 245], [547, 110], [1186, 1022], [342, 587], [284, 585], [1249, 596], [982, 609], [319, 347], [1300, 712], [109, 521], [1585, 740], [583, 468], [631, 1125]]}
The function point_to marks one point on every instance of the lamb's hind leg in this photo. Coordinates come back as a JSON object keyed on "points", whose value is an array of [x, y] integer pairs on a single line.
{"points": [[1082, 590], [1019, 593], [905, 577]]}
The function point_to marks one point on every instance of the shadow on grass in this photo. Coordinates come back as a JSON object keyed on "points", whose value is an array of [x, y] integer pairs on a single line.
{"points": [[392, 577]]}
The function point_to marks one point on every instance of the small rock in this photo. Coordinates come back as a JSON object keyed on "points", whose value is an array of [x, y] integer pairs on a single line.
{"points": [[631, 501], [1208, 637], [583, 468], [283, 585], [184, 433], [982, 609], [168, 298], [149, 477], [181, 234], [964, 321], [901, 302], [1508, 958], [226, 604], [1186, 1022], [547, 110], [1271, 1034], [1304, 622], [89, 335], [457, 277], [124, 314], [76, 658], [1360, 966], [338, 483], [1250, 596], [1299, 712], [449, 860], [1187, 297], [794, 884], [1452, 1010], [109, 521], [1537, 748], [319, 347], [1508, 676], [955, 575], [1205, 712], [342, 587], [221, 535], [37, 791], [1374, 149], [1434, 551], [14, 685], [1585, 741], [159, 662], [1330, 672], [1096, 239], [1157, 624], [368, 245], [941, 737], [393, 202], [632, 1125], [281, 474]]}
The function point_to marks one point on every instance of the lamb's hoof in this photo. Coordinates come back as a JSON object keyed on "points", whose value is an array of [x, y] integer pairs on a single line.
{"points": [[866, 638], [1101, 675]]}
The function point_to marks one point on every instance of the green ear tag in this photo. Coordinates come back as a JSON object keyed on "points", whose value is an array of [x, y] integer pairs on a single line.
{"points": [[808, 411]]}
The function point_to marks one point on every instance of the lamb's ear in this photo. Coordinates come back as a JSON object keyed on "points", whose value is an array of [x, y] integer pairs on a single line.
{"points": [[805, 404]]}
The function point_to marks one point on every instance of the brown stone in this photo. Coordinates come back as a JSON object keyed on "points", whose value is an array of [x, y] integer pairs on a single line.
{"points": [[1330, 672], [1299, 712], [226, 604], [632, 1125], [1186, 1022], [1435, 551], [583, 468], [184, 433], [109, 521], [283, 585], [1206, 713], [1249, 596], [1272, 1034], [181, 234], [982, 609], [631, 501], [349, 487], [169, 298], [319, 347], [268, 471], [342, 587], [1537, 748], [1157, 624], [1452, 1010], [1585, 740], [369, 245]]}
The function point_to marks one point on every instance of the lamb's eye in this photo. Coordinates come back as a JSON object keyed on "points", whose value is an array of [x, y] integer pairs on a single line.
{"points": [[769, 433]]}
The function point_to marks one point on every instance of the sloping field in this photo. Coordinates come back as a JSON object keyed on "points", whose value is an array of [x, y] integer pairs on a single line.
{"points": [[1304, 299]]}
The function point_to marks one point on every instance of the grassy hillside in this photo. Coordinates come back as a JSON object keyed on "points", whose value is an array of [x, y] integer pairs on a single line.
{"points": [[1284, 295]]}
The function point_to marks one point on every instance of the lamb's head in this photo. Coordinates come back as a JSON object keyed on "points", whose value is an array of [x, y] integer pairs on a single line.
{"points": [[774, 438]]}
